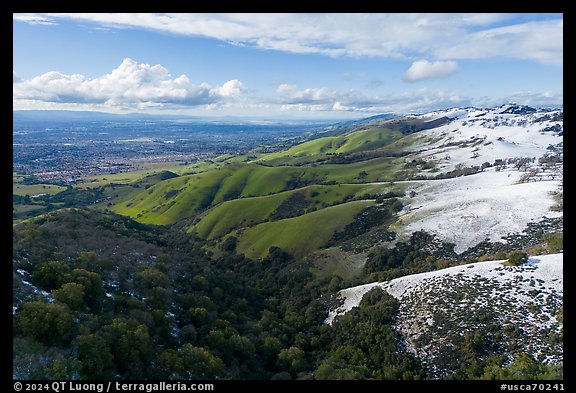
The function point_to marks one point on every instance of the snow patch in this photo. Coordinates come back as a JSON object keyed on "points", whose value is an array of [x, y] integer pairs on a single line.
{"points": [[548, 268], [487, 205]]}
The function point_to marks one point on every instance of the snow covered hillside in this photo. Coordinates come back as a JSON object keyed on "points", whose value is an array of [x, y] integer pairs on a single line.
{"points": [[516, 156], [514, 306], [469, 209], [475, 136]]}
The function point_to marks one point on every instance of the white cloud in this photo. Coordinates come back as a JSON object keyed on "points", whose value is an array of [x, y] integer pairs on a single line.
{"points": [[290, 94], [232, 88], [15, 78], [324, 99], [541, 41], [321, 99], [33, 19], [131, 84], [545, 99], [423, 69], [436, 36]]}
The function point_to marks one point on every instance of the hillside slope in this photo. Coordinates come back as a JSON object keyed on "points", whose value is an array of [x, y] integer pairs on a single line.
{"points": [[515, 308]]}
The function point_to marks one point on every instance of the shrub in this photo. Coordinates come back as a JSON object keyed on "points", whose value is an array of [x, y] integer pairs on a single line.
{"points": [[517, 258]]}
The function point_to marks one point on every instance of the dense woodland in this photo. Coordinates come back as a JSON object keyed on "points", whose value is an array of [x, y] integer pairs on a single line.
{"points": [[100, 296]]}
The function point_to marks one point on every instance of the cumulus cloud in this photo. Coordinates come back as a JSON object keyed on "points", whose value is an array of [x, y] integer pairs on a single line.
{"points": [[131, 84], [232, 88], [424, 69], [437, 36]]}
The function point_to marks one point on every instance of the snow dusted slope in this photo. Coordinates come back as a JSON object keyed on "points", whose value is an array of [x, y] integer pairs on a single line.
{"points": [[514, 306], [517, 152], [546, 267], [469, 209], [476, 136]]}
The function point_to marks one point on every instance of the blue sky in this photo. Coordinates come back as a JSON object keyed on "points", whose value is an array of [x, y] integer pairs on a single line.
{"points": [[285, 65]]}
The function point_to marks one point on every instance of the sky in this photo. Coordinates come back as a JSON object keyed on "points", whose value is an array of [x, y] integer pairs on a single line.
{"points": [[309, 66]]}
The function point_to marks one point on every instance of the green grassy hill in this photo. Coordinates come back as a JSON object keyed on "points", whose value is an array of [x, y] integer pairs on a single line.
{"points": [[246, 212], [298, 235], [177, 198], [294, 199], [174, 199], [371, 138], [35, 189]]}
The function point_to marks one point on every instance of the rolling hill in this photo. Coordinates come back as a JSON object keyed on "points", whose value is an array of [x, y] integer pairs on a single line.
{"points": [[299, 235], [421, 158], [230, 215]]}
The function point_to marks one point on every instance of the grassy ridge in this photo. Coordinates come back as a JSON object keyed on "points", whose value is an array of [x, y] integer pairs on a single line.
{"points": [[197, 192], [243, 194], [174, 199], [171, 200], [377, 169], [298, 235], [239, 212], [247, 212], [361, 140]]}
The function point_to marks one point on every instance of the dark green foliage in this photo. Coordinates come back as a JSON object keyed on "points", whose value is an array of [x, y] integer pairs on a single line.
{"points": [[295, 205], [391, 194], [199, 363], [171, 194], [130, 301], [229, 245], [523, 367], [74, 197], [459, 171], [408, 258], [292, 359], [165, 175], [95, 357], [49, 323], [517, 258], [296, 181], [130, 344], [419, 164], [365, 347], [367, 219], [50, 275], [71, 294]]}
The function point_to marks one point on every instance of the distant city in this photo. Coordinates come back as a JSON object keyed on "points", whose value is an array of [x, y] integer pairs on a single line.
{"points": [[63, 151]]}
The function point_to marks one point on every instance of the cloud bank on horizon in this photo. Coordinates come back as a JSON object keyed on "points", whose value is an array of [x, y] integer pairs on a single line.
{"points": [[434, 48]]}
